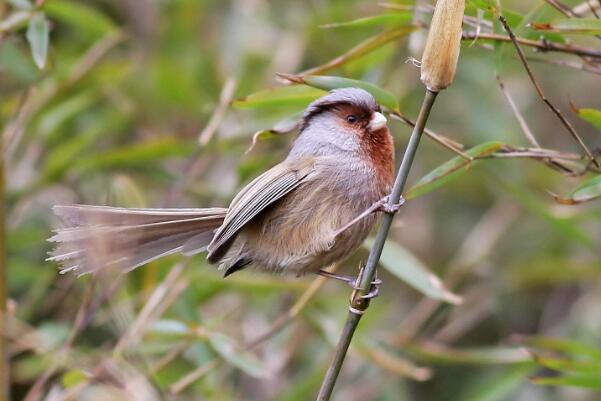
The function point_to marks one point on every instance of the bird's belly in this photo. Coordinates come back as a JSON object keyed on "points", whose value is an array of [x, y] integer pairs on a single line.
{"points": [[297, 235]]}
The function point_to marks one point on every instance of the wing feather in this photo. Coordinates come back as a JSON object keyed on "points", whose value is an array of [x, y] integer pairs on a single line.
{"points": [[256, 197]]}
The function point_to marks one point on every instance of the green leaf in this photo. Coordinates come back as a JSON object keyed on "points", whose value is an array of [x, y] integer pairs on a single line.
{"points": [[588, 190], [170, 327], [37, 36], [404, 265], [585, 192], [569, 365], [566, 346], [282, 96], [451, 169], [393, 19], [324, 82], [73, 377], [593, 116], [244, 360], [442, 354], [81, 16], [586, 381], [283, 127], [54, 117], [362, 49], [588, 26], [500, 386], [392, 362]]}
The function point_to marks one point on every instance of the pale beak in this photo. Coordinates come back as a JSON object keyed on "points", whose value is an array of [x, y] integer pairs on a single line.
{"points": [[377, 121]]}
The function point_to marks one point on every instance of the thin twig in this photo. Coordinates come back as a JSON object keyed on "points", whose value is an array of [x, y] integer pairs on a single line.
{"points": [[448, 143], [561, 8], [227, 93], [541, 94], [278, 324], [526, 129], [569, 64], [542, 45], [586, 6], [149, 310]]}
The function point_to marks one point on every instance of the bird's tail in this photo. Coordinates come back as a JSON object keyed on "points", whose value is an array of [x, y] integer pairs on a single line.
{"points": [[100, 237]]}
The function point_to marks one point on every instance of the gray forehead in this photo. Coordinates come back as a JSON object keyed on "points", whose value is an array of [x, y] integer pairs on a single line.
{"points": [[355, 96]]}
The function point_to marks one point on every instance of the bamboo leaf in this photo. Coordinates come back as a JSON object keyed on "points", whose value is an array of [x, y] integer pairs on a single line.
{"points": [[81, 16], [566, 346], [282, 96], [586, 381], [588, 26], [569, 365], [393, 19], [500, 386], [585, 192], [392, 362], [592, 116], [243, 360], [328, 83], [37, 36], [405, 266], [442, 354], [451, 169], [363, 48]]}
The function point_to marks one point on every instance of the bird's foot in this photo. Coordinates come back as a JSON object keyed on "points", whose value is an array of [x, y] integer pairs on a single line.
{"points": [[353, 282], [383, 205]]}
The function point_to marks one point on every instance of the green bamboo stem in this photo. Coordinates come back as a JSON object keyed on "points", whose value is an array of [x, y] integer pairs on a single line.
{"points": [[358, 305]]}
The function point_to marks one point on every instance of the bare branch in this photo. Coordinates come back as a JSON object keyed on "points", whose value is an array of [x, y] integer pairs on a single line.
{"points": [[541, 94]]}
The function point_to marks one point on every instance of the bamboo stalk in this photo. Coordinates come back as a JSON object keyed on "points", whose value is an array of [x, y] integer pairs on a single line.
{"points": [[359, 304]]}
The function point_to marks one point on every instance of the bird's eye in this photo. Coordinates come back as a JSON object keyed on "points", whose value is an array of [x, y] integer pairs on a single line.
{"points": [[351, 119]]}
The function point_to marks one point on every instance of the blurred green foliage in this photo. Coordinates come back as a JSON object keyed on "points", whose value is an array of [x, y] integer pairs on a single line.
{"points": [[103, 101]]}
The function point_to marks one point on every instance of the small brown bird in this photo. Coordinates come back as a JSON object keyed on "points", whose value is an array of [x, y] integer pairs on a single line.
{"points": [[311, 210]]}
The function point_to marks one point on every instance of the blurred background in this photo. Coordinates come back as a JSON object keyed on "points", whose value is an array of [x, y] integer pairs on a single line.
{"points": [[155, 103]]}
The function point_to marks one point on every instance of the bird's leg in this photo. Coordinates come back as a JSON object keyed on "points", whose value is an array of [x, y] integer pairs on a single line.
{"points": [[354, 282], [381, 205]]}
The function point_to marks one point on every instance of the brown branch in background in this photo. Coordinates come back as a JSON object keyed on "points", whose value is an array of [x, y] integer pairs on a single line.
{"points": [[569, 64], [35, 392], [521, 120], [593, 10], [280, 323], [542, 45], [541, 94], [587, 6], [195, 164], [440, 139], [227, 93], [526, 129], [477, 245], [153, 308], [562, 8]]}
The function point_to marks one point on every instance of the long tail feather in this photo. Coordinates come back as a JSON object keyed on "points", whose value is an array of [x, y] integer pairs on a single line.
{"points": [[97, 237]]}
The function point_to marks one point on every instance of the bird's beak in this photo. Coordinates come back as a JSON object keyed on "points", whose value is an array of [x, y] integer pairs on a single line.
{"points": [[377, 121]]}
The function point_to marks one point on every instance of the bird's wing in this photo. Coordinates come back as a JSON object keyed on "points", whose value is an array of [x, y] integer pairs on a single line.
{"points": [[256, 197]]}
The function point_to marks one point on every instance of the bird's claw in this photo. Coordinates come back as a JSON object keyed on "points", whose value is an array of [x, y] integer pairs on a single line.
{"points": [[353, 282], [386, 207]]}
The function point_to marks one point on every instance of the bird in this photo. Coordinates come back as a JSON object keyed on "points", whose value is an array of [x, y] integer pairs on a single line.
{"points": [[311, 210]]}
